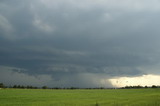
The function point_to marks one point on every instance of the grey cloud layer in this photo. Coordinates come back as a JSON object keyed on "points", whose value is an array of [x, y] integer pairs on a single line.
{"points": [[80, 38]]}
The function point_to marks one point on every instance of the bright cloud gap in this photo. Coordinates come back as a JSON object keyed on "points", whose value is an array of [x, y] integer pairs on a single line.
{"points": [[144, 80]]}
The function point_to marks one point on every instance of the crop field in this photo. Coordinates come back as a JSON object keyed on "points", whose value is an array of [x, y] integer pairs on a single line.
{"points": [[80, 97]]}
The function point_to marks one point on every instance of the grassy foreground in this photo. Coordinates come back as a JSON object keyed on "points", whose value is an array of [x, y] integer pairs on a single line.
{"points": [[106, 97]]}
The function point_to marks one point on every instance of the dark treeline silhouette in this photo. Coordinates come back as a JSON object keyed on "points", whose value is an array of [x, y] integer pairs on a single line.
{"points": [[2, 85], [45, 87], [136, 87], [23, 87]]}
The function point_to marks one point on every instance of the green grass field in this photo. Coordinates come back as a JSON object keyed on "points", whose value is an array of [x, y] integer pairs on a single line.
{"points": [[105, 97]]}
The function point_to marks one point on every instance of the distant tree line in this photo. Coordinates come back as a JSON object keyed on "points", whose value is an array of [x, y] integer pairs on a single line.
{"points": [[23, 87], [136, 87], [45, 87], [2, 85]]}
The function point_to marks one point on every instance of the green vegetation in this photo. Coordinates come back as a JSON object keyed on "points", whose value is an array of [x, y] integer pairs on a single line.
{"points": [[80, 97]]}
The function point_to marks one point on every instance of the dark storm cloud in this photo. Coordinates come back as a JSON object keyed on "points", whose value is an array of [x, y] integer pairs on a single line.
{"points": [[66, 42]]}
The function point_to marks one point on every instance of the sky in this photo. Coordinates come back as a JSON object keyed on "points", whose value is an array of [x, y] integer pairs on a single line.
{"points": [[79, 43]]}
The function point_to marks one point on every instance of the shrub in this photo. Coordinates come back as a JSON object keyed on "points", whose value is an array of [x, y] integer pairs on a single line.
{"points": [[2, 85]]}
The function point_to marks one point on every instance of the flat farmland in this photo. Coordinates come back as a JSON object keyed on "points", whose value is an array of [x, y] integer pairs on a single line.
{"points": [[80, 97]]}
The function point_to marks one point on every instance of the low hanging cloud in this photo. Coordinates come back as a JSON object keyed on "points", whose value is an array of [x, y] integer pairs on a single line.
{"points": [[12, 76], [78, 42]]}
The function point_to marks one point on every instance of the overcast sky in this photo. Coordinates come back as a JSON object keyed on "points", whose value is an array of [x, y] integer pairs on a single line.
{"points": [[81, 43]]}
